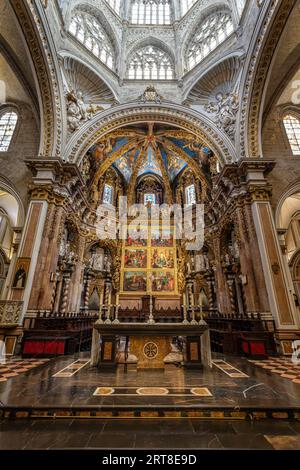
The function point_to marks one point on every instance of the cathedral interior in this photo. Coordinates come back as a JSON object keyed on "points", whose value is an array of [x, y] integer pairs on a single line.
{"points": [[188, 104]]}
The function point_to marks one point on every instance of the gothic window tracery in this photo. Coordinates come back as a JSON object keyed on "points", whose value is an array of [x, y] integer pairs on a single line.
{"points": [[108, 193], [292, 129], [185, 5], [115, 5], [149, 198], [190, 195], [8, 122], [87, 30], [150, 63], [151, 12], [213, 30]]}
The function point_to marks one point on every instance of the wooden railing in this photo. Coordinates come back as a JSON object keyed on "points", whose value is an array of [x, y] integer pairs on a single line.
{"points": [[10, 313]]}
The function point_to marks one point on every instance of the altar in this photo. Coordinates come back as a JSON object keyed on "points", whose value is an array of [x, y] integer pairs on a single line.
{"points": [[151, 344]]}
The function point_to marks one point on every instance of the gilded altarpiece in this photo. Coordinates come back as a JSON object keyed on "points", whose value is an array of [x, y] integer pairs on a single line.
{"points": [[149, 264]]}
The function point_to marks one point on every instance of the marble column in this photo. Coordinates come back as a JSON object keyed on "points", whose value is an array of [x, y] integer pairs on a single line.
{"points": [[247, 260], [76, 284], [280, 297], [223, 301], [29, 248], [41, 293]]}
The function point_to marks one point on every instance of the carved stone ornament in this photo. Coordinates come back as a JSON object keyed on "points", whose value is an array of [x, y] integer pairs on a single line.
{"points": [[225, 109], [150, 95], [275, 268], [78, 111]]}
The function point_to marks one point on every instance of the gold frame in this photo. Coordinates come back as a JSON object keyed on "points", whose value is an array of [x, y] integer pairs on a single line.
{"points": [[149, 270]]}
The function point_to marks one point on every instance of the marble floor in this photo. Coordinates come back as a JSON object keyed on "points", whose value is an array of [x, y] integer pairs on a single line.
{"points": [[148, 434], [70, 382]]}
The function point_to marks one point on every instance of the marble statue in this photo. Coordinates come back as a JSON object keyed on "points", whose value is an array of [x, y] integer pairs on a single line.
{"points": [[225, 108], [78, 111], [97, 261], [107, 264]]}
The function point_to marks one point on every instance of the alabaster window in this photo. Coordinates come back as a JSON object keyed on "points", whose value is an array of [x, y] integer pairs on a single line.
{"points": [[149, 199], [108, 194], [150, 63], [151, 12], [91, 34], [190, 195], [292, 128], [115, 4], [209, 34], [185, 5], [8, 122]]}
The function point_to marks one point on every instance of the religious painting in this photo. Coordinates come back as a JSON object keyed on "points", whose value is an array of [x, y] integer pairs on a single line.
{"points": [[150, 164], [135, 281], [126, 163], [136, 241], [162, 237], [162, 258], [135, 259], [21, 273], [163, 282]]}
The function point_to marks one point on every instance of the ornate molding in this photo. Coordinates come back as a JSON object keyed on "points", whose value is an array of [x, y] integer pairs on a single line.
{"points": [[258, 68], [134, 113], [42, 57]]}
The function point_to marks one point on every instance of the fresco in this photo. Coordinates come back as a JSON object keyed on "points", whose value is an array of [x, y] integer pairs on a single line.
{"points": [[125, 164], [150, 164], [172, 161]]}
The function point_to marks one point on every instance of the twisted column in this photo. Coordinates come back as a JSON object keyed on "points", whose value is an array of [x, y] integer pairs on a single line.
{"points": [[231, 296], [210, 294], [64, 302], [87, 292]]}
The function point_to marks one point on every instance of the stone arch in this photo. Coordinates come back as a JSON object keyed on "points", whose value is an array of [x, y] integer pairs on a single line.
{"points": [[230, 61], [44, 64], [18, 215], [203, 14], [166, 113], [151, 41], [260, 56], [100, 16], [84, 63], [288, 193]]}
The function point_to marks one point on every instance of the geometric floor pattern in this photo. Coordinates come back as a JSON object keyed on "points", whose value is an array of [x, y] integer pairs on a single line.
{"points": [[282, 366], [229, 370], [72, 369], [152, 391], [14, 367]]}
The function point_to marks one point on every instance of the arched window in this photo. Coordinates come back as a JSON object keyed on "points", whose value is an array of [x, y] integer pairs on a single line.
{"points": [[149, 198], [151, 12], [292, 129], [108, 194], [185, 5], [115, 4], [150, 63], [8, 122], [240, 4], [210, 33], [190, 195], [91, 34]]}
